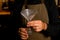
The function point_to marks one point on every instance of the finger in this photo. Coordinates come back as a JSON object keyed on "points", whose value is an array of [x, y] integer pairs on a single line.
{"points": [[38, 29], [33, 25], [23, 29], [24, 36], [23, 33]]}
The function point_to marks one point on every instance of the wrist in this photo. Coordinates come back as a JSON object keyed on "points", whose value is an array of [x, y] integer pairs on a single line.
{"points": [[45, 26]]}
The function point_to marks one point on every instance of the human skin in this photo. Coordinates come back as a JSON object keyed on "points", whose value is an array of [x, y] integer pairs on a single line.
{"points": [[37, 25]]}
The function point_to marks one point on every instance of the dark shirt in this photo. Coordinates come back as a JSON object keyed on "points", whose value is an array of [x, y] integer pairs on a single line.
{"points": [[53, 26]]}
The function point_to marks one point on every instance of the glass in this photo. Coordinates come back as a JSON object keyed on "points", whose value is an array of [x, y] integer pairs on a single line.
{"points": [[28, 14]]}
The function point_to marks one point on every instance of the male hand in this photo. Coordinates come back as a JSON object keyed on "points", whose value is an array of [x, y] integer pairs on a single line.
{"points": [[37, 25], [23, 33]]}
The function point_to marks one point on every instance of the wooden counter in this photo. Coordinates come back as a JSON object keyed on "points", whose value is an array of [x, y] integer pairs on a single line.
{"points": [[4, 13]]}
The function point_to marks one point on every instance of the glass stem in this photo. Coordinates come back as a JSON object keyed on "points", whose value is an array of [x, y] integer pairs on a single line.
{"points": [[29, 31]]}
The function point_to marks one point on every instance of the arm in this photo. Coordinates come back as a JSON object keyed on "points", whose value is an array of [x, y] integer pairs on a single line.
{"points": [[15, 13], [53, 29], [53, 26], [52, 11]]}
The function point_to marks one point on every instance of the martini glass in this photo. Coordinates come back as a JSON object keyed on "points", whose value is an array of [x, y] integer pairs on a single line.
{"points": [[28, 14]]}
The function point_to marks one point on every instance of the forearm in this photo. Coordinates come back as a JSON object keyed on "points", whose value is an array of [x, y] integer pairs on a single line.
{"points": [[53, 29]]}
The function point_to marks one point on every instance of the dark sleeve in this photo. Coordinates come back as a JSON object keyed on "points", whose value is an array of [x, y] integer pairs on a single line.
{"points": [[53, 29], [52, 11], [53, 26], [19, 4], [15, 9]]}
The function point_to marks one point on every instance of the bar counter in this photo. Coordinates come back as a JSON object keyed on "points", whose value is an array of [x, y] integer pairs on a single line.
{"points": [[4, 13]]}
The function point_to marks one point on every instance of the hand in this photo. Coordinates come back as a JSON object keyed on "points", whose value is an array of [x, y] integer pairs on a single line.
{"points": [[37, 25], [23, 33]]}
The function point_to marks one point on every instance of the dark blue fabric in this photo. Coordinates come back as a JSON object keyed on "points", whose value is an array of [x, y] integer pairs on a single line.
{"points": [[52, 11], [33, 1]]}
